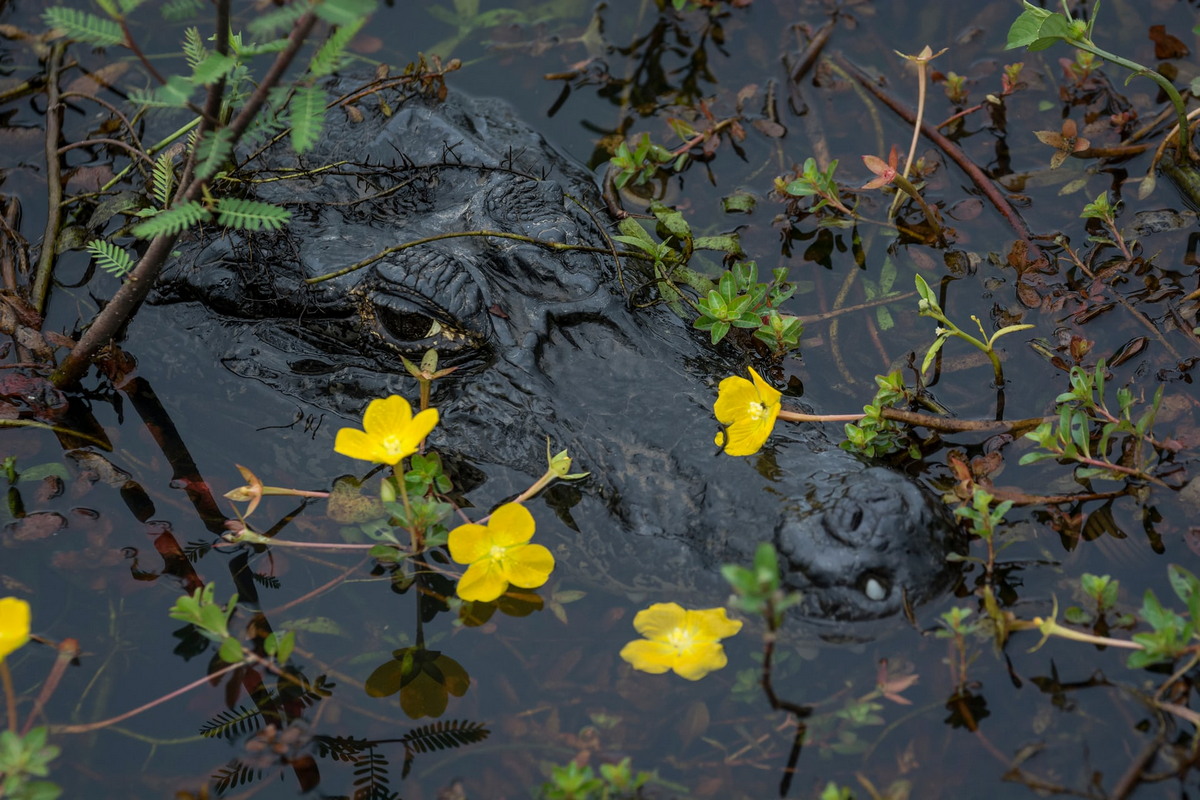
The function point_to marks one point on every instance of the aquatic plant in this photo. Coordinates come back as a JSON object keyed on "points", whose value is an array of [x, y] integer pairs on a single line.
{"points": [[390, 432], [499, 554], [14, 625], [747, 410], [684, 641]]}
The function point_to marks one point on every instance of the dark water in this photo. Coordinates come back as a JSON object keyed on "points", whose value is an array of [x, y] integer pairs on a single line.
{"points": [[1068, 717]]}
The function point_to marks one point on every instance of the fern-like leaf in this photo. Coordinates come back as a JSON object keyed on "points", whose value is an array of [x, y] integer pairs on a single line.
{"points": [[164, 179], [267, 25], [130, 6], [179, 10], [306, 114], [341, 748], [84, 27], [345, 12], [371, 777], [233, 775], [439, 736], [214, 67], [269, 581], [111, 258], [172, 221], [175, 94], [251, 215], [212, 153], [194, 50], [330, 54], [231, 724]]}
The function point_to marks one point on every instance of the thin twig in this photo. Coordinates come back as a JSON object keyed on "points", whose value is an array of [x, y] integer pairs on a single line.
{"points": [[54, 115], [955, 154]]}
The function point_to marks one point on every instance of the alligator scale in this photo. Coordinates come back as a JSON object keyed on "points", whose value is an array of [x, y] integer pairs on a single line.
{"points": [[546, 346]]}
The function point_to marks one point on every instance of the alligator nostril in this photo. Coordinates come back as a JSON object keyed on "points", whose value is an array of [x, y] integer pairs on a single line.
{"points": [[856, 519]]}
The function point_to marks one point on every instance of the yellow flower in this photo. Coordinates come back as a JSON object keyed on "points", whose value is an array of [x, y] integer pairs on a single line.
{"points": [[14, 624], [748, 411], [688, 642], [390, 432], [499, 554]]}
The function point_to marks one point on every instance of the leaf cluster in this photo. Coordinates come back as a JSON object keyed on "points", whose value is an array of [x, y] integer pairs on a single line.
{"points": [[818, 184], [1086, 430], [573, 782], [875, 436], [1172, 634], [643, 162], [209, 619], [22, 760], [758, 589], [740, 300]]}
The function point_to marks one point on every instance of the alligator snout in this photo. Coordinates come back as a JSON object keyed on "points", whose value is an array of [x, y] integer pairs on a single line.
{"points": [[864, 544]]}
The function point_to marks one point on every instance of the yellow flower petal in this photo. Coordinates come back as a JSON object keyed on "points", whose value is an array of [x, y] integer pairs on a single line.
{"points": [[657, 621], [511, 524], [529, 565], [699, 660], [712, 624], [390, 432], [647, 656], [748, 411], [14, 624], [482, 582], [469, 543], [387, 415]]}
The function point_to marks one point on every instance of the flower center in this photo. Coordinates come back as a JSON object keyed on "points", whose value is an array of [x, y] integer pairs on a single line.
{"points": [[497, 552], [757, 410], [681, 639], [392, 444]]}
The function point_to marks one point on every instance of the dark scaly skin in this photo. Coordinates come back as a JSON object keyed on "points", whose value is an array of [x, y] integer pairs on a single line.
{"points": [[546, 345]]}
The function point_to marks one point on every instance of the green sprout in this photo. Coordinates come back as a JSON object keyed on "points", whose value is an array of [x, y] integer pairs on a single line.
{"points": [[929, 307], [1036, 29]]}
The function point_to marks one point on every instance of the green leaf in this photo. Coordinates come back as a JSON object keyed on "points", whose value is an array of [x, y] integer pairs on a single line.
{"points": [[306, 115], [330, 54], [725, 244], [110, 258], [251, 215], [174, 94], [164, 179], [345, 12], [213, 68], [179, 10], [172, 221], [231, 650], [212, 153], [268, 24], [84, 27]]}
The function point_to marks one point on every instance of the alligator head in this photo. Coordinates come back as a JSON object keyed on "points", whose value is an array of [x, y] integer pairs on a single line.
{"points": [[546, 345]]}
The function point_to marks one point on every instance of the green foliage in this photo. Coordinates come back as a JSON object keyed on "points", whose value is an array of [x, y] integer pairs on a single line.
{"points": [[164, 179], [573, 782], [213, 152], [179, 10], [834, 792], [984, 519], [641, 164], [110, 257], [251, 215], [741, 301], [84, 26], [1036, 29], [210, 620], [176, 93], [332, 52], [1100, 592], [306, 115], [954, 624], [758, 589], [1086, 431], [24, 758], [875, 436], [1172, 635], [172, 221], [818, 184], [928, 306]]}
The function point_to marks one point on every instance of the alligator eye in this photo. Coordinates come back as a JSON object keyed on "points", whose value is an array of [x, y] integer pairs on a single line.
{"points": [[407, 326], [874, 589]]}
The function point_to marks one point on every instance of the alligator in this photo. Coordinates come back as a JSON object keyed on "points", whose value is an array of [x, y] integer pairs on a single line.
{"points": [[546, 345]]}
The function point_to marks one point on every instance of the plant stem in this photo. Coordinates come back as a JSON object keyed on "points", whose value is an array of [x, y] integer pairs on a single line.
{"points": [[54, 116]]}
